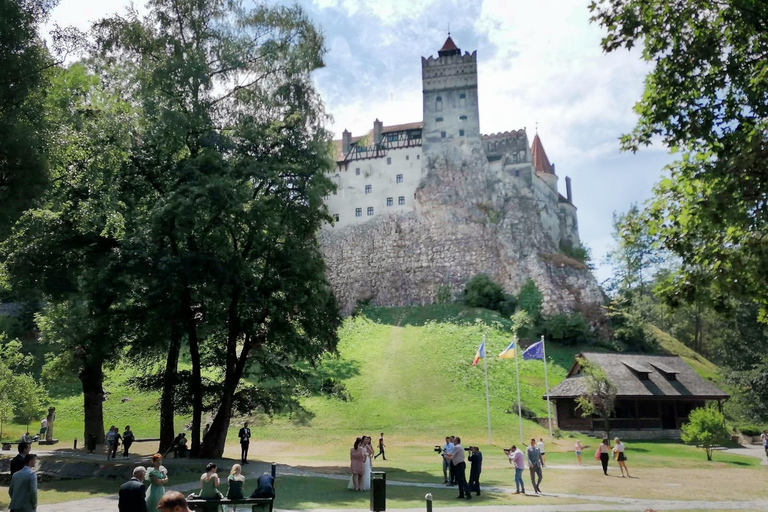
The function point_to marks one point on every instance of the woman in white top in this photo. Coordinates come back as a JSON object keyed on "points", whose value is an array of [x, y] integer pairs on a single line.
{"points": [[577, 448], [618, 454], [540, 447]]}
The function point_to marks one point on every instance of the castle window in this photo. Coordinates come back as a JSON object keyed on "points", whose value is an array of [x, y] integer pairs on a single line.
{"points": [[461, 133], [439, 120], [462, 100], [358, 212], [389, 201], [517, 173], [389, 161], [392, 138], [401, 200], [463, 118], [439, 104], [336, 217], [399, 178], [357, 171], [418, 157], [367, 189], [443, 135], [407, 157], [370, 211]]}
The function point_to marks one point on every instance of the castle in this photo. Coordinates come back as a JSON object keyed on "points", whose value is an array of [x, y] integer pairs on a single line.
{"points": [[405, 191]]}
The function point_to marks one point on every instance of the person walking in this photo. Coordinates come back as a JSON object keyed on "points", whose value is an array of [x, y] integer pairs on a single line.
{"points": [[381, 447], [245, 442], [132, 496], [111, 439], [23, 487], [18, 461], [460, 469], [158, 477], [577, 449], [518, 459], [618, 454], [128, 439], [476, 461], [447, 448], [534, 465], [235, 483], [172, 501], [603, 451], [540, 447], [357, 464], [764, 437]]}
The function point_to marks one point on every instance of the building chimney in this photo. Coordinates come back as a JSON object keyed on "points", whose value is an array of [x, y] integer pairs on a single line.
{"points": [[346, 142], [568, 189], [378, 126]]}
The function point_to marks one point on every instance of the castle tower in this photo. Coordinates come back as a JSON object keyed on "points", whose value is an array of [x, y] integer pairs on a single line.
{"points": [[541, 165], [450, 113]]}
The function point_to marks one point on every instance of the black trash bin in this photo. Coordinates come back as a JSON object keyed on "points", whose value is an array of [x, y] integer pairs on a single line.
{"points": [[378, 491]]}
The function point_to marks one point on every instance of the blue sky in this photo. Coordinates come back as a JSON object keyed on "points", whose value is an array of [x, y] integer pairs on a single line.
{"points": [[538, 62]]}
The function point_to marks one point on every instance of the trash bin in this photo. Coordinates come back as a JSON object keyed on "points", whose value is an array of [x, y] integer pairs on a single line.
{"points": [[378, 491]]}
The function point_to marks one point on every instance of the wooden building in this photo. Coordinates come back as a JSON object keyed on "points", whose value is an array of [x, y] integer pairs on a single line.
{"points": [[653, 393]]}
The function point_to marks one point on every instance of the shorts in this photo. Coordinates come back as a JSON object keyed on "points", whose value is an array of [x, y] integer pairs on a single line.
{"points": [[578, 453], [622, 457]]}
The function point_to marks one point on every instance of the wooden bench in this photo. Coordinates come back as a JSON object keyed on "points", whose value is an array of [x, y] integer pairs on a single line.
{"points": [[8, 446], [254, 504]]}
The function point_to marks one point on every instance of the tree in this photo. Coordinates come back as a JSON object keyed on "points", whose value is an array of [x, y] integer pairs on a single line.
{"points": [[20, 395], [705, 98], [483, 292], [705, 429], [530, 300], [599, 395], [29, 398]]}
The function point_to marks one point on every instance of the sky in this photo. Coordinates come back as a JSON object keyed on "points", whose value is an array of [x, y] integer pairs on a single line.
{"points": [[539, 64]]}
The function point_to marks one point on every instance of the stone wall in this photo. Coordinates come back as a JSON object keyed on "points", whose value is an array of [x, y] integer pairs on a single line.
{"points": [[468, 219]]}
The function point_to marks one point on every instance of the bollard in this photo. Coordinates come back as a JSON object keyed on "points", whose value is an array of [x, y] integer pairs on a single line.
{"points": [[428, 497], [378, 491], [75, 444], [274, 470]]}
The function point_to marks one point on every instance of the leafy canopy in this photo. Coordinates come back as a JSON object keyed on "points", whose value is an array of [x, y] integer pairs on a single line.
{"points": [[705, 429]]}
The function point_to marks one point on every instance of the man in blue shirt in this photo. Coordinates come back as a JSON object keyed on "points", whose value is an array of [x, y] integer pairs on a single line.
{"points": [[447, 449]]}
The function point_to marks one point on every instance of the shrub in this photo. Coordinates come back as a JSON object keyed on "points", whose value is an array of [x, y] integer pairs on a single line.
{"points": [[444, 294], [567, 328], [577, 252], [751, 430], [483, 292], [531, 300], [705, 429], [630, 332]]}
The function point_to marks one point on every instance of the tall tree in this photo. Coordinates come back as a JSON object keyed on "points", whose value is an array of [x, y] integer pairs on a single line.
{"points": [[233, 149], [705, 96], [599, 396]]}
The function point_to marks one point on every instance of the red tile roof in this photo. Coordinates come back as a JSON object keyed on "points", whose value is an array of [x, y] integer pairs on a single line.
{"points": [[449, 45], [539, 156]]}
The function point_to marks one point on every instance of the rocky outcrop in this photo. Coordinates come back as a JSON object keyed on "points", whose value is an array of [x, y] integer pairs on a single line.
{"points": [[469, 219]]}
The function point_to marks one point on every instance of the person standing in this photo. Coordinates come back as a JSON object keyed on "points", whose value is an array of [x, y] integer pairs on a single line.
{"points": [[764, 437], [116, 445], [577, 448], [23, 487], [132, 495], [534, 465], [18, 461], [460, 469], [43, 427], [447, 475], [476, 461], [618, 454], [518, 459], [173, 501], [357, 464], [245, 442], [158, 477], [540, 447], [110, 440], [128, 439], [206, 429], [604, 449], [381, 447]]}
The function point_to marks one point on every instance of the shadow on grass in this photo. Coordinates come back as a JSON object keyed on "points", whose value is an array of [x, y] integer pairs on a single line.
{"points": [[393, 473]]}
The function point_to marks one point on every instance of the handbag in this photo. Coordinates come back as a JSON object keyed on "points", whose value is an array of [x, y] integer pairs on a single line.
{"points": [[597, 453]]}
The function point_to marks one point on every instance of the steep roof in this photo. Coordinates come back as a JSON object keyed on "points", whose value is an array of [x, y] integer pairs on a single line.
{"points": [[449, 48], [617, 368], [539, 157], [386, 129]]}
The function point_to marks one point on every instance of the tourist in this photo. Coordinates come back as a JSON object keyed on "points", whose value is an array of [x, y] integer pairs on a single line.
{"points": [[518, 459], [132, 496], [245, 442], [577, 448], [23, 487], [43, 427], [118, 439], [110, 439], [235, 483], [18, 461], [128, 439], [158, 477], [209, 483], [206, 429], [764, 437], [381, 447], [540, 447], [172, 501], [603, 452], [618, 454], [476, 460], [180, 450], [447, 474], [26, 438], [460, 469], [357, 464], [367, 444], [265, 487], [533, 455]]}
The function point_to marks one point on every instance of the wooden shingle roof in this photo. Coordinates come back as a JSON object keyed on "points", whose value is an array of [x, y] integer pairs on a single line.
{"points": [[617, 367]]}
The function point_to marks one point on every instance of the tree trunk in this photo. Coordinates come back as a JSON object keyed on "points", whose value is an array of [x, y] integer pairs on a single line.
{"points": [[196, 386], [92, 379], [167, 411]]}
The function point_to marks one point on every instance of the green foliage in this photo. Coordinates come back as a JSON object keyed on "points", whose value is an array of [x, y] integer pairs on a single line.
{"points": [[444, 294], [600, 394], [751, 430], [567, 329], [530, 300], [630, 330], [579, 252], [705, 429], [21, 397], [482, 292]]}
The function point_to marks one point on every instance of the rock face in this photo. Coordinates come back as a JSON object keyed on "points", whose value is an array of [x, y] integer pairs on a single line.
{"points": [[470, 218]]}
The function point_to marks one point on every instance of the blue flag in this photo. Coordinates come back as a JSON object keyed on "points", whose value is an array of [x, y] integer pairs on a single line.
{"points": [[535, 351]]}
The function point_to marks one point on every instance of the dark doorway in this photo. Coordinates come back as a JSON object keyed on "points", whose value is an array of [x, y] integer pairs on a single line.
{"points": [[668, 420]]}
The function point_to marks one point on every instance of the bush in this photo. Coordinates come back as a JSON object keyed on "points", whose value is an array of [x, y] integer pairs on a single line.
{"points": [[750, 430], [444, 294], [482, 292], [567, 328], [577, 252], [705, 429], [531, 300], [630, 332]]}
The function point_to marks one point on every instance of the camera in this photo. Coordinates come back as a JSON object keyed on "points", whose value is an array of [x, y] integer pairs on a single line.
{"points": [[468, 449], [438, 449]]}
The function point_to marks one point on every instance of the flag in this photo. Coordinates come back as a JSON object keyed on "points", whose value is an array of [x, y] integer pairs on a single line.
{"points": [[480, 354], [535, 351], [509, 352]]}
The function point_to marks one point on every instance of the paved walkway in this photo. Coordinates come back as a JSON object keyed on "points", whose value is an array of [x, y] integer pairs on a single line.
{"points": [[751, 450]]}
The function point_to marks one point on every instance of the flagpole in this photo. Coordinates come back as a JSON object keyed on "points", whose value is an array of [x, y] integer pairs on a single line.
{"points": [[517, 378], [546, 384], [487, 399]]}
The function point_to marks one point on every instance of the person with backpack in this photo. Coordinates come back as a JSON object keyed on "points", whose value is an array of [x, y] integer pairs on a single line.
{"points": [[128, 439]]}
